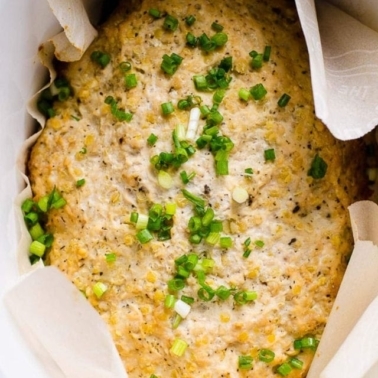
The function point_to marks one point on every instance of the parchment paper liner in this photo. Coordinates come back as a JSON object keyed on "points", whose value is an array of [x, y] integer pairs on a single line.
{"points": [[69, 334]]}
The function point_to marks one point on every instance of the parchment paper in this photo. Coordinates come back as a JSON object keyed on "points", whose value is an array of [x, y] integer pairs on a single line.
{"points": [[343, 55], [343, 47]]}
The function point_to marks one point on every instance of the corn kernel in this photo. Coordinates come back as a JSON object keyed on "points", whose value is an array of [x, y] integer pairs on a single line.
{"points": [[89, 139], [115, 196], [243, 337], [296, 289], [128, 240], [271, 338], [224, 317], [159, 296], [151, 277]]}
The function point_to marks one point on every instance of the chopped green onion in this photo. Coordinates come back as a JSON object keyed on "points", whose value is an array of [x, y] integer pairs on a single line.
{"points": [[169, 301], [239, 194], [253, 53], [134, 218], [269, 154], [284, 100], [83, 151], [200, 82], [206, 293], [219, 39], [284, 369], [307, 342], [191, 262], [213, 238], [167, 108], [226, 63], [318, 168], [248, 171], [243, 297], [247, 252], [194, 224], [257, 61], [259, 243], [61, 202], [37, 248], [153, 376], [170, 23], [99, 288], [119, 114], [36, 231], [125, 66], [190, 20], [141, 220], [225, 242], [197, 201], [205, 43], [216, 226], [46, 239], [216, 27], [195, 239], [221, 167], [218, 96], [43, 204], [207, 217], [266, 54], [176, 284], [223, 292], [100, 58], [185, 177], [165, 180], [245, 362], [244, 94], [266, 355], [61, 82], [27, 205], [144, 236], [152, 139], [214, 118], [258, 91], [170, 208], [205, 110], [181, 260], [31, 218], [155, 211], [131, 81], [191, 39], [171, 63], [188, 300], [296, 363], [155, 13], [64, 93], [110, 257], [182, 308], [179, 347], [176, 321], [182, 272], [80, 183]]}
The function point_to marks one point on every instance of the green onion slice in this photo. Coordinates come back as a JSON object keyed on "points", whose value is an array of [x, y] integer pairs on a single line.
{"points": [[245, 362], [144, 236], [266, 355], [179, 347], [284, 100]]}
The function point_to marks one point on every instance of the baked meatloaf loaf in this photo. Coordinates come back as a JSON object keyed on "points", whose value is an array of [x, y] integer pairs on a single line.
{"points": [[206, 206]]}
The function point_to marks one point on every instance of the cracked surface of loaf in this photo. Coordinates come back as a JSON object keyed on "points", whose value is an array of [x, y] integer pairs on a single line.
{"points": [[303, 222]]}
